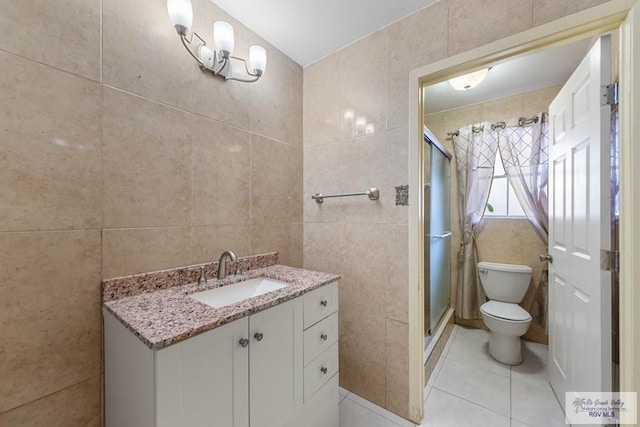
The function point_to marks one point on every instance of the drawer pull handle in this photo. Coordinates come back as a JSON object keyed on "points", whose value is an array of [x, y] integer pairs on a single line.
{"points": [[324, 370], [243, 342], [323, 337], [258, 336], [323, 303]]}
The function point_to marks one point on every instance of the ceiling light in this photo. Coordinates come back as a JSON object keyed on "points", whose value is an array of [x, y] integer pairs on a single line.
{"points": [[217, 61], [470, 80]]}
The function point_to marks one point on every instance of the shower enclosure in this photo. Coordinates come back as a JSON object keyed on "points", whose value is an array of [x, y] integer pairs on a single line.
{"points": [[437, 241]]}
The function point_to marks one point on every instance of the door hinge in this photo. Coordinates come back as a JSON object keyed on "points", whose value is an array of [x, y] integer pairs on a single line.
{"points": [[609, 94], [609, 260]]}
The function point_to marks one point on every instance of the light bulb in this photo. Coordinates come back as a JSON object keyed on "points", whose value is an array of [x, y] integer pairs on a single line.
{"points": [[257, 59], [181, 15], [223, 36]]}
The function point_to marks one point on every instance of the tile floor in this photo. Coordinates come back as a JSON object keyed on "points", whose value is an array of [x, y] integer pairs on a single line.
{"points": [[468, 388]]}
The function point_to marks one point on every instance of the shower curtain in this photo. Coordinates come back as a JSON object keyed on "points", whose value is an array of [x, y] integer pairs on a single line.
{"points": [[475, 150], [525, 157]]}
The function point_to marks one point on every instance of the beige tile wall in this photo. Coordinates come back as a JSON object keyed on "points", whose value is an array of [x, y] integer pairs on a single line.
{"points": [[366, 241], [120, 156]]}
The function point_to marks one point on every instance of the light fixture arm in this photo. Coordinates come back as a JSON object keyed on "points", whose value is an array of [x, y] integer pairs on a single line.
{"points": [[187, 41], [246, 68], [222, 64]]}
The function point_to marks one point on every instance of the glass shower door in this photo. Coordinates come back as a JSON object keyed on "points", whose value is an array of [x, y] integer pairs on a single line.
{"points": [[439, 236]]}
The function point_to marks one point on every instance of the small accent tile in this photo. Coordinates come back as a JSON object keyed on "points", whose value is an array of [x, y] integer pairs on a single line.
{"points": [[402, 195]]}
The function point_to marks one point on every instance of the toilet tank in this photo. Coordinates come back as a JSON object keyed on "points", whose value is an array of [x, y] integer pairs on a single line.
{"points": [[504, 282]]}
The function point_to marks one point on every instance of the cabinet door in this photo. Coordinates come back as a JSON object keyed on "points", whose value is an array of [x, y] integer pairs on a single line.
{"points": [[203, 381], [276, 364]]}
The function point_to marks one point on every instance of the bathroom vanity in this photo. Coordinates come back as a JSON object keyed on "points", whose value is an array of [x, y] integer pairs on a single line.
{"points": [[265, 361]]}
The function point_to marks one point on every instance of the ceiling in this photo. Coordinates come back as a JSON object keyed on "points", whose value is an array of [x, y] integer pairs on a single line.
{"points": [[523, 73], [307, 30]]}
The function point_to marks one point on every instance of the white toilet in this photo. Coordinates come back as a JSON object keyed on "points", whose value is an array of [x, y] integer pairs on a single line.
{"points": [[505, 286]]}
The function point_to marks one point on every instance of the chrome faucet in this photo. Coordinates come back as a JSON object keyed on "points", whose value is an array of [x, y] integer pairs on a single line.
{"points": [[222, 267]]}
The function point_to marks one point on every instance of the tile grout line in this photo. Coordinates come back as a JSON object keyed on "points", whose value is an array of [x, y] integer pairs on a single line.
{"points": [[453, 338], [510, 394], [52, 393], [472, 402]]}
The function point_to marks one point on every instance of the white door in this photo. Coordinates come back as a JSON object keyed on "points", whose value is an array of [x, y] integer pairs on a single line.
{"points": [[579, 227]]}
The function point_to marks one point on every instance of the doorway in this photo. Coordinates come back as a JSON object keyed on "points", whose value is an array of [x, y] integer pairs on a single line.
{"points": [[597, 21]]}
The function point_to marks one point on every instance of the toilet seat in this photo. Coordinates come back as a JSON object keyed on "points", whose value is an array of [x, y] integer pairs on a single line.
{"points": [[505, 311]]}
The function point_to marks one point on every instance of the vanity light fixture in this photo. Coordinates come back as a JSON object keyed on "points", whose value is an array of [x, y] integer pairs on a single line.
{"points": [[218, 60], [470, 80]]}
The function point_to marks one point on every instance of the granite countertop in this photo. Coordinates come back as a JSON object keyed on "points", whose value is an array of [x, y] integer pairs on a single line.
{"points": [[168, 316]]}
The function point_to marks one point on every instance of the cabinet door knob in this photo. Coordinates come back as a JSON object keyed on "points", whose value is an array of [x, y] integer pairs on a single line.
{"points": [[323, 303], [324, 370], [323, 337], [258, 336], [243, 342]]}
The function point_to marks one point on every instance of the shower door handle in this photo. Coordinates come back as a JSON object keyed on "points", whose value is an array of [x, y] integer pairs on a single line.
{"points": [[440, 236]]}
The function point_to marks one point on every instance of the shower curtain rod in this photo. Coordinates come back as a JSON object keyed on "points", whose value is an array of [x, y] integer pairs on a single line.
{"points": [[521, 122]]}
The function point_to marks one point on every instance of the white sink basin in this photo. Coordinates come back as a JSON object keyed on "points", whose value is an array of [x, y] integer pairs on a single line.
{"points": [[231, 294]]}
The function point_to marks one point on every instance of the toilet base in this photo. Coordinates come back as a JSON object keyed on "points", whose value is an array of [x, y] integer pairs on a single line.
{"points": [[505, 349]]}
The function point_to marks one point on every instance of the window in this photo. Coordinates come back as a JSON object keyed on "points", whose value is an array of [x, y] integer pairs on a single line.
{"points": [[502, 199]]}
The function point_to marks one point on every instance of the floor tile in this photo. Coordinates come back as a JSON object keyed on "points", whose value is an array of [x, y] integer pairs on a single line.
{"points": [[445, 410], [355, 415], [470, 334], [540, 350], [475, 352], [533, 368], [380, 411], [534, 405], [480, 386]]}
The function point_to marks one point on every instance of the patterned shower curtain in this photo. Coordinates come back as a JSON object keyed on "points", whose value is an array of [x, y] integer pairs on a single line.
{"points": [[475, 150]]}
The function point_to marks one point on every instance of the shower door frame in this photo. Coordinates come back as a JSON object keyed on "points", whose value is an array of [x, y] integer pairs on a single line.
{"points": [[433, 143], [590, 22]]}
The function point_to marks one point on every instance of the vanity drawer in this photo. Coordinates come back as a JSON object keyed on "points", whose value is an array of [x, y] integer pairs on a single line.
{"points": [[320, 303], [320, 370], [320, 337]]}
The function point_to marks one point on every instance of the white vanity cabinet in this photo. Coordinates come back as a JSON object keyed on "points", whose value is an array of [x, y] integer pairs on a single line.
{"points": [[269, 369]]}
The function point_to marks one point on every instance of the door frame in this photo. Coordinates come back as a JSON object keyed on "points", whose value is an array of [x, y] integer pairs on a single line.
{"points": [[590, 22]]}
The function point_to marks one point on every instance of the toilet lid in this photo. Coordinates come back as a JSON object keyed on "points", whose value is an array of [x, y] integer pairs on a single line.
{"points": [[505, 310]]}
